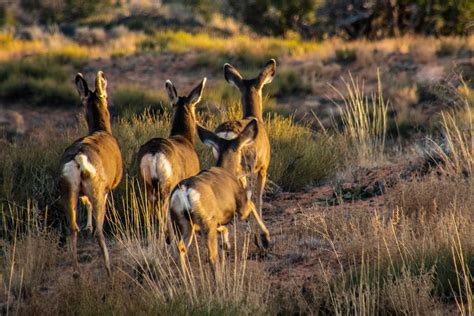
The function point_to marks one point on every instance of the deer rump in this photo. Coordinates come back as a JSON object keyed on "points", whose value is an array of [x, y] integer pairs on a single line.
{"points": [[164, 159], [214, 195], [102, 156]]}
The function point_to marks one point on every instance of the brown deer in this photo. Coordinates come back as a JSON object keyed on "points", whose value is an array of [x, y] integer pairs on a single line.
{"points": [[163, 162], [91, 167], [210, 199], [257, 156]]}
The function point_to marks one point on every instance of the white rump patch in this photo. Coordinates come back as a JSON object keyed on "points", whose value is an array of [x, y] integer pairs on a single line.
{"points": [[180, 200], [72, 173], [155, 167], [84, 164], [193, 196]]}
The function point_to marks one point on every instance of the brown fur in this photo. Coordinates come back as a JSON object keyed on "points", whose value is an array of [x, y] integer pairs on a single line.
{"points": [[257, 156], [221, 193], [103, 154], [178, 148]]}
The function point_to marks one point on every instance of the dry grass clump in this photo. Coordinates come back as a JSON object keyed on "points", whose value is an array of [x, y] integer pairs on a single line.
{"points": [[131, 100], [422, 51], [457, 152], [393, 263], [431, 196], [300, 156], [26, 260], [364, 122], [214, 49], [238, 285]]}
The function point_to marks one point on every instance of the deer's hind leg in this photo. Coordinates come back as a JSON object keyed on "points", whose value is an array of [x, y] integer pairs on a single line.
{"points": [[70, 197], [98, 204], [85, 200], [261, 180], [266, 234], [225, 235], [212, 247]]}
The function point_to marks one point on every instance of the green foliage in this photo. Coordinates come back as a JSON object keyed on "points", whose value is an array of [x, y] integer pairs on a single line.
{"points": [[39, 81], [300, 157], [7, 17], [56, 11], [131, 100], [377, 19], [287, 83], [275, 17], [205, 8], [346, 55]]}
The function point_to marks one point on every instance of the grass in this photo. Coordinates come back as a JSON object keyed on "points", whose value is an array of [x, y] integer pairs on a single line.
{"points": [[213, 49], [391, 263], [364, 122], [147, 279], [413, 254], [39, 81], [132, 100], [301, 157]]}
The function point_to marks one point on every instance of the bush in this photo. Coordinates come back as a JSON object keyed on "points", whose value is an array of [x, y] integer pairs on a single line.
{"points": [[288, 83], [346, 55], [128, 101], [300, 157], [57, 11], [39, 81]]}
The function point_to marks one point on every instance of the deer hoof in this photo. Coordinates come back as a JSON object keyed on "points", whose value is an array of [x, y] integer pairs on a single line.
{"points": [[262, 241], [265, 241]]}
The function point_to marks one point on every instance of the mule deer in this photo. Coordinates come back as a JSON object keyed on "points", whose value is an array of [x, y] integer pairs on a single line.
{"points": [[210, 199], [163, 162], [256, 157], [91, 167]]}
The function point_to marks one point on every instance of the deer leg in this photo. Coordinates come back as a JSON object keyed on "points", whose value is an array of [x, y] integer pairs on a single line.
{"points": [[98, 203], [266, 233], [184, 229], [85, 200], [212, 247], [225, 235], [261, 180], [164, 217], [71, 207]]}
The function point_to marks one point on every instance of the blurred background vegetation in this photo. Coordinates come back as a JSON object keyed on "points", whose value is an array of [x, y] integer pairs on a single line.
{"points": [[310, 19]]}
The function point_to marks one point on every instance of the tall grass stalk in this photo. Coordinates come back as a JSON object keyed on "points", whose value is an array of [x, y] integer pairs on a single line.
{"points": [[457, 152], [364, 120], [138, 230]]}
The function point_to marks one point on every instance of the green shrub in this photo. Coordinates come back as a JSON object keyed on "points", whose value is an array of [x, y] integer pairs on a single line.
{"points": [[288, 82], [300, 157], [346, 55], [130, 100], [40, 80]]}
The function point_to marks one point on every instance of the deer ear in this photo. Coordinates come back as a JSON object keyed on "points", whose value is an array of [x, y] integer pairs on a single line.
{"points": [[101, 85], [267, 73], [81, 86], [172, 93], [208, 137], [248, 135], [232, 76], [195, 95]]}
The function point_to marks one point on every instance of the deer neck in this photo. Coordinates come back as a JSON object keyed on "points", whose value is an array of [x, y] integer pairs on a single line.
{"points": [[98, 118], [252, 103], [184, 123], [229, 162]]}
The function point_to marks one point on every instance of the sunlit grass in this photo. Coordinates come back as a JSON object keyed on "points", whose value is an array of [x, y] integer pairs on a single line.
{"points": [[364, 121]]}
